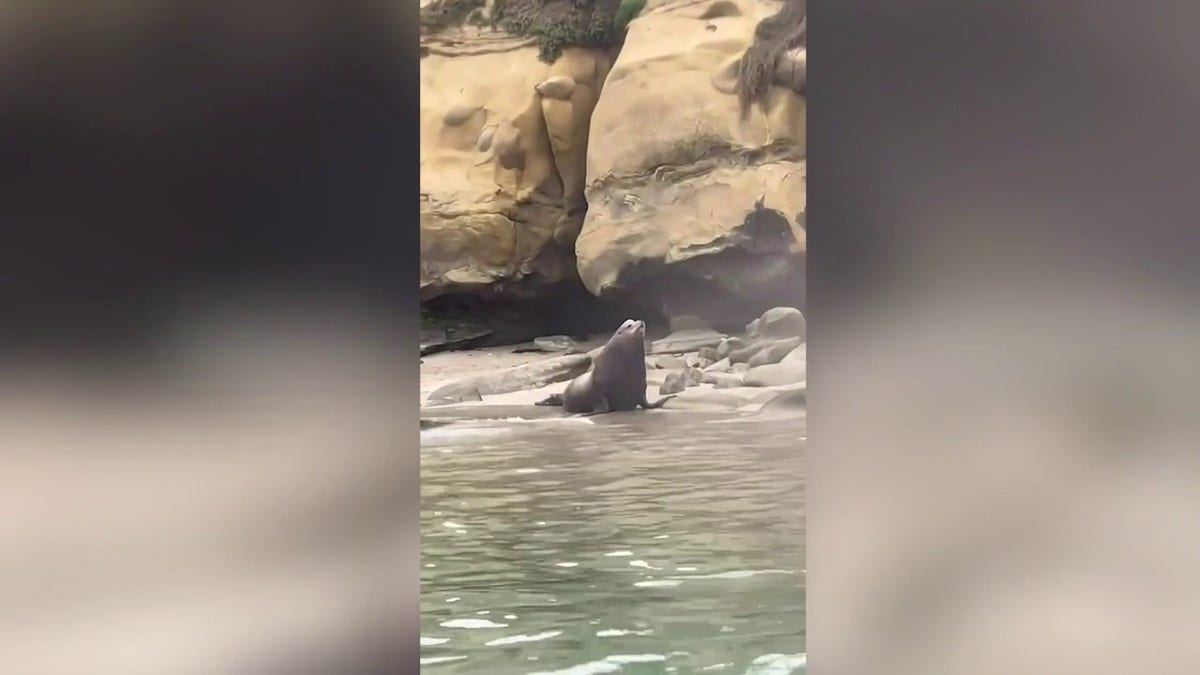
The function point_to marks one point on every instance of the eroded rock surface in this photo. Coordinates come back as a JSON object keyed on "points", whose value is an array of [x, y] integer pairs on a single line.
{"points": [[639, 170], [504, 138], [686, 199]]}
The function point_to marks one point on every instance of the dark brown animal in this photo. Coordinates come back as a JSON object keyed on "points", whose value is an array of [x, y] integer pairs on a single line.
{"points": [[617, 379]]}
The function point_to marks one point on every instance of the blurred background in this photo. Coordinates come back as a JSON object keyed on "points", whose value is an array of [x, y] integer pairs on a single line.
{"points": [[1002, 467], [206, 353]]}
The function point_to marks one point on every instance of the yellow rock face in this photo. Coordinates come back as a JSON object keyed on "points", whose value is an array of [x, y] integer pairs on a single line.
{"points": [[648, 142], [504, 139], [672, 172]]}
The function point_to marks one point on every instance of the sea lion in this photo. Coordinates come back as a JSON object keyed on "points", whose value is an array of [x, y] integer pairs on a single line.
{"points": [[617, 379]]}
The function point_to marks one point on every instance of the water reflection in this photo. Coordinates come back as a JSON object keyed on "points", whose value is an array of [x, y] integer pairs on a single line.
{"points": [[639, 542]]}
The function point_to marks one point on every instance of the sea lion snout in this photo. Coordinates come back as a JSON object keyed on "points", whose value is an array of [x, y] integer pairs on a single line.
{"points": [[632, 326]]}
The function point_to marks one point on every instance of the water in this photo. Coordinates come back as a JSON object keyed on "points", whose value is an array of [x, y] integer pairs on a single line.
{"points": [[644, 542]]}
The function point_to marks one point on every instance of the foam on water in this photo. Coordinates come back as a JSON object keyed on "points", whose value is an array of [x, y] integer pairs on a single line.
{"points": [[777, 664], [455, 434], [478, 430]]}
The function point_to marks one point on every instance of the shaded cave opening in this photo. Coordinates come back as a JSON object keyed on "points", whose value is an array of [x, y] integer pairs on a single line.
{"points": [[700, 289], [457, 321]]}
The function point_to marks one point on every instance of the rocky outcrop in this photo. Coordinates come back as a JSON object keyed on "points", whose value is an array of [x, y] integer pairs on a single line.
{"points": [[504, 138], [685, 198], [633, 172]]}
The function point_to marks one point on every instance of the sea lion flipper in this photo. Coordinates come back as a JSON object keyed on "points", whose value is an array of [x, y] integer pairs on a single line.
{"points": [[551, 400], [657, 404], [600, 405]]}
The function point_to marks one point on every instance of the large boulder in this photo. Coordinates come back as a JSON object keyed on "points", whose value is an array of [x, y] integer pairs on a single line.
{"points": [[773, 352], [504, 139], [778, 322], [777, 374], [687, 200]]}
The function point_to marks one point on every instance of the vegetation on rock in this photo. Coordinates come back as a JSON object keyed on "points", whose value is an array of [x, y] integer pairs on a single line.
{"points": [[627, 11], [557, 24], [442, 14], [774, 35]]}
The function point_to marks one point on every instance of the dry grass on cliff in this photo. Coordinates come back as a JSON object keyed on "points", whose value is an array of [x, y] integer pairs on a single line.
{"points": [[773, 36]]}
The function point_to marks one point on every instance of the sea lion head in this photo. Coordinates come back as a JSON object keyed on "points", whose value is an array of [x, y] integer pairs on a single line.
{"points": [[631, 332], [632, 328]]}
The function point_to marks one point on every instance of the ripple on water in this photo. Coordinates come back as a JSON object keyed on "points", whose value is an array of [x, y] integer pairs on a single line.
{"points": [[472, 624], [623, 490], [617, 632], [516, 639], [430, 660], [609, 664], [733, 574]]}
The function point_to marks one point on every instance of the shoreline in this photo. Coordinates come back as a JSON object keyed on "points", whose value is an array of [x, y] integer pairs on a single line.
{"points": [[697, 368], [447, 367]]}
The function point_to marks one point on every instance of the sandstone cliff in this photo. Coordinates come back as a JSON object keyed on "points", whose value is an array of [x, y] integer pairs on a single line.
{"points": [[630, 168]]}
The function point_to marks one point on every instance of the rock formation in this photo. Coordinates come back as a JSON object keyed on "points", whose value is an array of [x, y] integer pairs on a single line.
{"points": [[684, 195], [630, 169], [504, 138]]}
